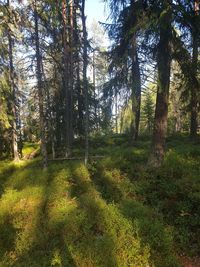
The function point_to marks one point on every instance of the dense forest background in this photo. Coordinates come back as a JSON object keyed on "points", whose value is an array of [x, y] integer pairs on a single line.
{"points": [[58, 85]]}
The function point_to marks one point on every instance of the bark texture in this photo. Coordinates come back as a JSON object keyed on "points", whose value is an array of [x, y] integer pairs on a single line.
{"points": [[161, 112]]}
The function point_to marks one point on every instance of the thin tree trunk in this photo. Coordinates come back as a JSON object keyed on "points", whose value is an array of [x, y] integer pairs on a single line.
{"points": [[13, 92], [80, 100], [94, 85], [136, 90], [116, 112], [40, 89], [194, 101], [66, 77], [85, 83], [71, 78], [161, 112], [50, 121]]}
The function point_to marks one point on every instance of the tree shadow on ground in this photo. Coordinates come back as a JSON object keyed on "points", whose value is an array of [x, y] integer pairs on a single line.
{"points": [[110, 238], [93, 235], [28, 239], [152, 231]]}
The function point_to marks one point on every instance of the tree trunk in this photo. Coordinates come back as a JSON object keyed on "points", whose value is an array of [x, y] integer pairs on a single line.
{"points": [[79, 89], [13, 92], [71, 78], [116, 111], [94, 85], [85, 82], [50, 119], [66, 79], [80, 103], [161, 112], [136, 90], [193, 100], [40, 89]]}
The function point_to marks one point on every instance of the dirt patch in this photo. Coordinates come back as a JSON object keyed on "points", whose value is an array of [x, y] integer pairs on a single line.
{"points": [[190, 262]]}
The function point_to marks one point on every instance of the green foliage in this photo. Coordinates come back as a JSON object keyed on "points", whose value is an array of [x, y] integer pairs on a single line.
{"points": [[115, 213], [5, 116], [57, 218], [148, 110], [117, 188], [127, 117]]}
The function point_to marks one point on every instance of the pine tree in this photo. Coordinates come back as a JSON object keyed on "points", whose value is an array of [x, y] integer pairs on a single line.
{"points": [[164, 67], [148, 111], [40, 87], [12, 85], [85, 82]]}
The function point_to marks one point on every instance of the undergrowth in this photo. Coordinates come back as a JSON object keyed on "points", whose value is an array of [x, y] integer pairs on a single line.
{"points": [[116, 212]]}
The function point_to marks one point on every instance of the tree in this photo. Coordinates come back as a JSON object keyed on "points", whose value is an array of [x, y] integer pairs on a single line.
{"points": [[194, 90], [85, 82], [148, 111], [12, 85], [136, 88], [187, 19], [125, 59], [66, 79], [164, 66], [40, 88]]}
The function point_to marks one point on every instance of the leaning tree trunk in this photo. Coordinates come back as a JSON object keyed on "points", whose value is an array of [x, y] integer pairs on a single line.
{"points": [[136, 90], [193, 100], [161, 112], [40, 89], [13, 92], [85, 83]]}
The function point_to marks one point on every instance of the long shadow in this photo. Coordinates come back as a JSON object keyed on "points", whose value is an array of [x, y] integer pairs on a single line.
{"points": [[55, 240], [54, 249], [12, 170], [151, 228], [8, 231], [4, 174], [94, 238], [46, 245]]}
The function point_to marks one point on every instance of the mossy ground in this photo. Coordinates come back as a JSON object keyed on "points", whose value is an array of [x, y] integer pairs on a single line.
{"points": [[116, 212]]}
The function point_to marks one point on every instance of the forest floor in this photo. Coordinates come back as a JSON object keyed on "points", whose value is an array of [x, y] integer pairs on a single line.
{"points": [[117, 212]]}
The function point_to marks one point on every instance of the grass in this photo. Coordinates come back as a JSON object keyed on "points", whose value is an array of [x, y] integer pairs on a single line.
{"points": [[116, 212]]}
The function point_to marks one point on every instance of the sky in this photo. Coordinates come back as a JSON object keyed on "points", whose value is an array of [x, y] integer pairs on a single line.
{"points": [[95, 9]]}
